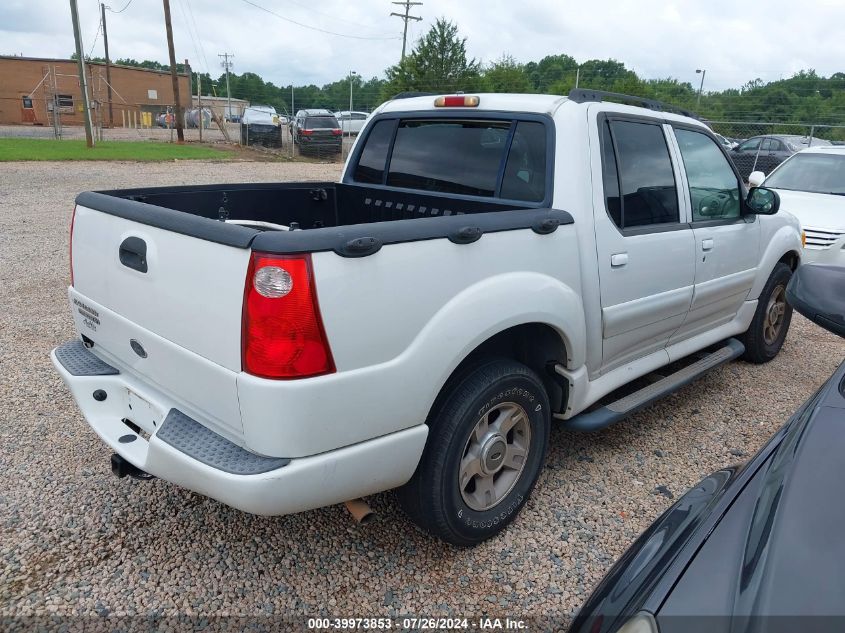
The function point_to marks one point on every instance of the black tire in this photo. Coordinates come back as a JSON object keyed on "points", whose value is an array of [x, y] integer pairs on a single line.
{"points": [[761, 344], [433, 498]]}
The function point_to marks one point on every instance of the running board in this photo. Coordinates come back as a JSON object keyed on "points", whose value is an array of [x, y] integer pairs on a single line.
{"points": [[622, 408]]}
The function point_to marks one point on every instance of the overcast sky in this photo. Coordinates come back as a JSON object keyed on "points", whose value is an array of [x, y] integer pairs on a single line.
{"points": [[734, 41]]}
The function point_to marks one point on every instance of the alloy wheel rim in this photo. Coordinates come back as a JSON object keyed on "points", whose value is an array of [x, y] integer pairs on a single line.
{"points": [[775, 312], [494, 456]]}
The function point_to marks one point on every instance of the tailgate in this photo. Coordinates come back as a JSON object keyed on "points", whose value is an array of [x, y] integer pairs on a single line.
{"points": [[186, 290]]}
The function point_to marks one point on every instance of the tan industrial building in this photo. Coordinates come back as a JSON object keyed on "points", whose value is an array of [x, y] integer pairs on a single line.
{"points": [[219, 106], [33, 89]]}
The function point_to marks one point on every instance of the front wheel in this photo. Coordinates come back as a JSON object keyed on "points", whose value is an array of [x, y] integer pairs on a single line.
{"points": [[487, 444], [768, 329]]}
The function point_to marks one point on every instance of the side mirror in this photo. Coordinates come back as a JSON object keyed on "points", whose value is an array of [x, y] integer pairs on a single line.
{"points": [[818, 292], [762, 201], [756, 178]]}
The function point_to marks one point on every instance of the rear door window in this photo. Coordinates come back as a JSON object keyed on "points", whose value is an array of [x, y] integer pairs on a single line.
{"points": [[649, 195]]}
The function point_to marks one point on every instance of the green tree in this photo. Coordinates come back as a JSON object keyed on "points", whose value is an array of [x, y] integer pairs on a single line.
{"points": [[506, 75], [552, 70], [438, 63]]}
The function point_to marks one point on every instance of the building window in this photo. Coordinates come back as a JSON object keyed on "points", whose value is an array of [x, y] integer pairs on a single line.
{"points": [[152, 94], [65, 101], [27, 102]]}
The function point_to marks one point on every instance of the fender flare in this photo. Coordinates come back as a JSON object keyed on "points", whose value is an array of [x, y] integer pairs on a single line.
{"points": [[479, 312], [785, 240]]}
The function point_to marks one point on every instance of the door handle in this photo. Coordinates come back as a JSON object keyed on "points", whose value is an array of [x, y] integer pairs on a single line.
{"points": [[707, 244], [618, 259]]}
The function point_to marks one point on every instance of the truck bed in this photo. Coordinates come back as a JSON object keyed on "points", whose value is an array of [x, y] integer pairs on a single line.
{"points": [[314, 211]]}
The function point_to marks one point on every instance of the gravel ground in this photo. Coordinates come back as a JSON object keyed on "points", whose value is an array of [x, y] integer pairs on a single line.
{"points": [[77, 541]]}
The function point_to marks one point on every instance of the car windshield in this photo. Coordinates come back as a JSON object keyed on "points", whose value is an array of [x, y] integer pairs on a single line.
{"points": [[816, 173], [320, 123]]}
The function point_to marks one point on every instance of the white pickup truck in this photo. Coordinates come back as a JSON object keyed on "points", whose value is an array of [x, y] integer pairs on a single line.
{"points": [[487, 264]]}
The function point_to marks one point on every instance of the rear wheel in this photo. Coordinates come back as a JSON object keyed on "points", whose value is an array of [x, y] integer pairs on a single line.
{"points": [[768, 329], [487, 443]]}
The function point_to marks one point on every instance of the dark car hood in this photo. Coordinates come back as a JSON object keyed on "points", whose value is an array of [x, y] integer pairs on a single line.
{"points": [[766, 538], [780, 548]]}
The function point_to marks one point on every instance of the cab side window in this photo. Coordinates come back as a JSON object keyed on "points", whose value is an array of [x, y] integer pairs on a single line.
{"points": [[645, 192], [714, 188]]}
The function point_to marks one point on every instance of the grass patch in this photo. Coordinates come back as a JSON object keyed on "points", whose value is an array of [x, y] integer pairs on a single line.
{"points": [[52, 149]]}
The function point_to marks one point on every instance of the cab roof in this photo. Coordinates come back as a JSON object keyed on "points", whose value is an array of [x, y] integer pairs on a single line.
{"points": [[544, 104]]}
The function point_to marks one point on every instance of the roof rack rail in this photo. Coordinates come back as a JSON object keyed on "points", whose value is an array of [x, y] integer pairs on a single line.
{"points": [[581, 95]]}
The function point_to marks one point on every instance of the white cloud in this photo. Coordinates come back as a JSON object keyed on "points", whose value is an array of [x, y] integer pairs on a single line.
{"points": [[735, 42]]}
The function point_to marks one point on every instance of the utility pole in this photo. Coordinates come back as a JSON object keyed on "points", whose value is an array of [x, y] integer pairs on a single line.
{"points": [[177, 108], [199, 101], [108, 63], [405, 17], [83, 81], [227, 65], [702, 72]]}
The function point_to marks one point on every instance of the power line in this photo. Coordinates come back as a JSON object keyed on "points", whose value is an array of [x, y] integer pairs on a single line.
{"points": [[197, 31], [190, 32], [314, 28], [405, 18], [96, 35], [126, 6], [311, 9]]}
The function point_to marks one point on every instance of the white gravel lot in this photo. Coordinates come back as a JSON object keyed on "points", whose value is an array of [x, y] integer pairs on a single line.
{"points": [[74, 540]]}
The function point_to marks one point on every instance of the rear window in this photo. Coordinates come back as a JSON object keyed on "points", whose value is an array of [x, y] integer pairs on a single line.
{"points": [[320, 123], [479, 158]]}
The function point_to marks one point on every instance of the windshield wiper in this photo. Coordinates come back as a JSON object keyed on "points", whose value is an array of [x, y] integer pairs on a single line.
{"points": [[836, 193]]}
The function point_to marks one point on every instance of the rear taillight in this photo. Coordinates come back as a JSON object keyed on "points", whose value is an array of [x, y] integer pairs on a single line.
{"points": [[283, 336], [337, 131], [70, 243], [306, 132]]}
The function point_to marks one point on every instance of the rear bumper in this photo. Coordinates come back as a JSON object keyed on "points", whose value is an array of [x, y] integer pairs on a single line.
{"points": [[333, 142], [178, 449]]}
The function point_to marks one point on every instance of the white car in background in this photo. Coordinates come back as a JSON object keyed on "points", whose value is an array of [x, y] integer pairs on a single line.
{"points": [[351, 122], [261, 125], [811, 185]]}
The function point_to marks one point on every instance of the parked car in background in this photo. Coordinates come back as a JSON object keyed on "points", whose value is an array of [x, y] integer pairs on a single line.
{"points": [[811, 185], [764, 153], [756, 547], [299, 118], [351, 122], [261, 125], [317, 130]]}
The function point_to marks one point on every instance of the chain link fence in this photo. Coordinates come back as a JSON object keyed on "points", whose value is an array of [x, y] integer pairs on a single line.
{"points": [[762, 146], [63, 121]]}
